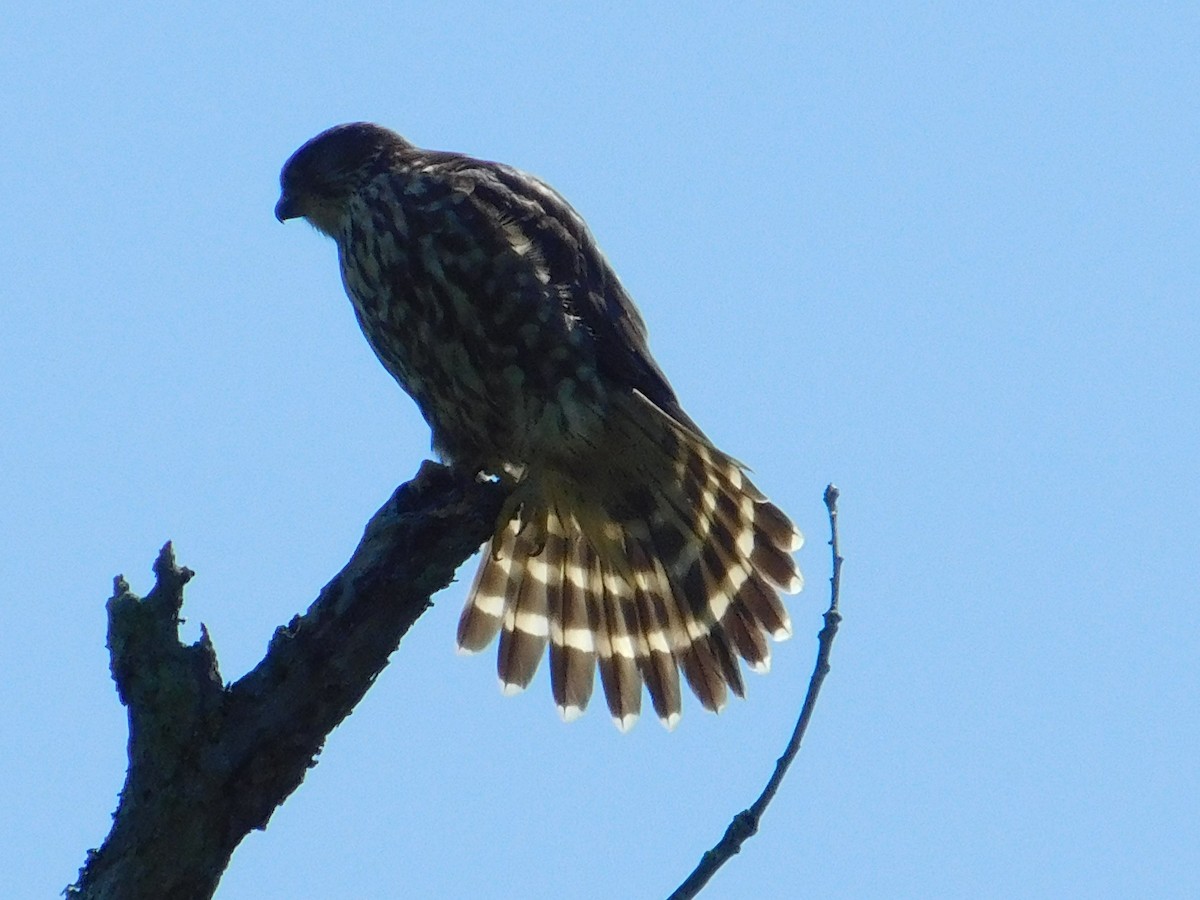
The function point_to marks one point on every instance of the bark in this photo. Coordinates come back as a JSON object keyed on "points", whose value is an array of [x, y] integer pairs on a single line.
{"points": [[209, 762]]}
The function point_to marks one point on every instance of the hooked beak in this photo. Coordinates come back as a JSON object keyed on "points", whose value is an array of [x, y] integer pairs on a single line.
{"points": [[287, 208]]}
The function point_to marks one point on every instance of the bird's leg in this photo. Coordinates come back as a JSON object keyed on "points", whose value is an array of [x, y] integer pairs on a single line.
{"points": [[535, 514]]}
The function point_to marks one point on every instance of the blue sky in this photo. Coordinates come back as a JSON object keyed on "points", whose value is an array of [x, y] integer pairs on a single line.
{"points": [[944, 255]]}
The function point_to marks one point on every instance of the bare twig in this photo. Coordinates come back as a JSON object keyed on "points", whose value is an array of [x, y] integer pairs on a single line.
{"points": [[745, 823]]}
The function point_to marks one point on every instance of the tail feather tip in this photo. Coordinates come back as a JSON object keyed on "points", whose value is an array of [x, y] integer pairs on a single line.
{"points": [[511, 688], [625, 722]]}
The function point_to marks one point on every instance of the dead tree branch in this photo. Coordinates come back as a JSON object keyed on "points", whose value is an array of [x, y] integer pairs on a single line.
{"points": [[209, 762]]}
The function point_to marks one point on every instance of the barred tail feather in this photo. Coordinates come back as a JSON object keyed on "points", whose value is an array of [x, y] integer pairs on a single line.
{"points": [[615, 643], [703, 673], [762, 603], [747, 638], [526, 627], [490, 593], [658, 631], [573, 625]]}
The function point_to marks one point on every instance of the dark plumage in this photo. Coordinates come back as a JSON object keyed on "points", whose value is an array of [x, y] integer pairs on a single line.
{"points": [[630, 539]]}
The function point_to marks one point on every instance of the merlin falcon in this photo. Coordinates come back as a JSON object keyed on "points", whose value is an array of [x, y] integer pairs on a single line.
{"points": [[629, 541]]}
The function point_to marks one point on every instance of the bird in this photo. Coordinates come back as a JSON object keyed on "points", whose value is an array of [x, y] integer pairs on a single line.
{"points": [[629, 542]]}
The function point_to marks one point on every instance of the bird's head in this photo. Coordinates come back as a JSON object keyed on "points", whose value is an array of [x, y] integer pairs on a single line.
{"points": [[318, 178]]}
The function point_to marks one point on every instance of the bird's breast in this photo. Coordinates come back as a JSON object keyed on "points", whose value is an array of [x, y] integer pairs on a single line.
{"points": [[499, 374]]}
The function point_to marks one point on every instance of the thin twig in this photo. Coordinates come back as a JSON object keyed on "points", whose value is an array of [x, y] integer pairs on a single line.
{"points": [[745, 823]]}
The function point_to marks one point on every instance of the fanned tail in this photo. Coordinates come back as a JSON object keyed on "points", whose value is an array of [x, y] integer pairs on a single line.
{"points": [[658, 555]]}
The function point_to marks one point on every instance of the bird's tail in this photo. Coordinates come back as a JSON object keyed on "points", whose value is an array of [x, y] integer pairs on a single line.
{"points": [[657, 555]]}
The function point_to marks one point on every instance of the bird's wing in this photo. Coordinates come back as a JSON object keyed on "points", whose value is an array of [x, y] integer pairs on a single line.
{"points": [[579, 274]]}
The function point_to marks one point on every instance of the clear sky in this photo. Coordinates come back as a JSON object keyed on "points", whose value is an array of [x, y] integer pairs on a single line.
{"points": [[944, 255]]}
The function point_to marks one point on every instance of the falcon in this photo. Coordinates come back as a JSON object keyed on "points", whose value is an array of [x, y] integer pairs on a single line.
{"points": [[629, 540]]}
